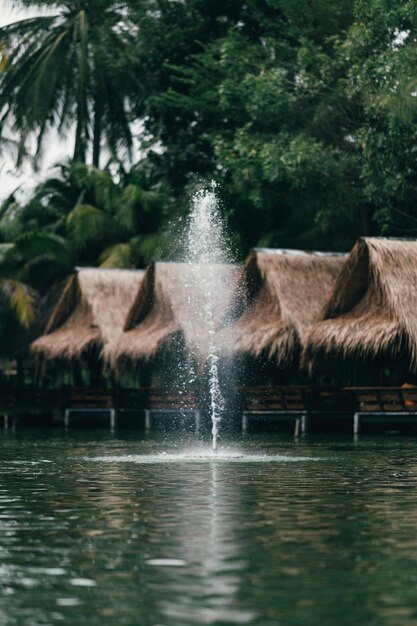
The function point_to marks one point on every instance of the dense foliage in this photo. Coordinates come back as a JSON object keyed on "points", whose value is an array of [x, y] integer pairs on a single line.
{"points": [[305, 113]]}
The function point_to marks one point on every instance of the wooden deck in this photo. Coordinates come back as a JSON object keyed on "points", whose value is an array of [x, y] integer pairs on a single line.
{"points": [[396, 406], [102, 404], [270, 406], [89, 401], [276, 404]]}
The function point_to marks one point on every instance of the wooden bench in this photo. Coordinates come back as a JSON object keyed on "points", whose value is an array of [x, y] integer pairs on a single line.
{"points": [[161, 401], [280, 403], [89, 400], [383, 405]]}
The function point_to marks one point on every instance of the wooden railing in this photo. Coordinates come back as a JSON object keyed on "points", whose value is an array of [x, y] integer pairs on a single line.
{"points": [[33, 399], [383, 399], [275, 399], [88, 398], [155, 399], [278, 403]]}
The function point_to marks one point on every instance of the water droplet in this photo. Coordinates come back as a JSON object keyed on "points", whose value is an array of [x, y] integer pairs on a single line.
{"points": [[166, 562], [68, 602], [83, 582]]}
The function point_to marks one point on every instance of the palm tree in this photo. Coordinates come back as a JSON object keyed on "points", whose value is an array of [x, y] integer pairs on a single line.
{"points": [[34, 253], [70, 67], [81, 216], [117, 225]]}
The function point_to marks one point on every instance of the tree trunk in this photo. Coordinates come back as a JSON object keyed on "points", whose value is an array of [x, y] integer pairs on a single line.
{"points": [[97, 133], [81, 130], [79, 149]]}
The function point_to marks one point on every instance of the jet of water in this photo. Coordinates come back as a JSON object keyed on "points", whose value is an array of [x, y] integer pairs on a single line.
{"points": [[209, 292]]}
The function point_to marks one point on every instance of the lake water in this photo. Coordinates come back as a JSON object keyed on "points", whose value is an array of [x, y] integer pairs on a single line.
{"points": [[121, 530]]}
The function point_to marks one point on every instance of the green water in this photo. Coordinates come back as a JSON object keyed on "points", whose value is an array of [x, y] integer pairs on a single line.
{"points": [[118, 530]]}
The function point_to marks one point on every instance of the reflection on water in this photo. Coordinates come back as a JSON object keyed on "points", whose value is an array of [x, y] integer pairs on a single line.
{"points": [[98, 530]]}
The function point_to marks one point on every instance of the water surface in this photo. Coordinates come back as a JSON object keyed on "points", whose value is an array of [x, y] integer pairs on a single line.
{"points": [[98, 529]]}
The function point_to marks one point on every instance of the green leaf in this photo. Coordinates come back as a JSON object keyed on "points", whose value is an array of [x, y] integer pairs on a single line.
{"points": [[88, 223], [117, 255], [22, 301], [35, 243]]}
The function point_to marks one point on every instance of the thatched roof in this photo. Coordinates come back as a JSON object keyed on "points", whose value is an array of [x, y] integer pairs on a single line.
{"points": [[282, 293], [171, 302], [90, 313], [372, 309]]}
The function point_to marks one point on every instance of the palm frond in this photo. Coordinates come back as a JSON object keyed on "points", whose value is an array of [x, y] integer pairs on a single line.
{"points": [[147, 248], [117, 255], [21, 299], [5, 250], [35, 244], [87, 223]]}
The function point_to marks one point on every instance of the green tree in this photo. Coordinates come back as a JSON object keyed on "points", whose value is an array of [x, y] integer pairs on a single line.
{"points": [[81, 216], [70, 67], [32, 258], [261, 106], [116, 224], [90, 212], [380, 50]]}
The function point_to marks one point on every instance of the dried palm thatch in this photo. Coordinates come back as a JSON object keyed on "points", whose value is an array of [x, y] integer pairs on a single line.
{"points": [[372, 309], [281, 294], [171, 302], [90, 313]]}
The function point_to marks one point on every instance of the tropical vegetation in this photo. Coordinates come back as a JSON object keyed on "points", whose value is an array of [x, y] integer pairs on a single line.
{"points": [[304, 113]]}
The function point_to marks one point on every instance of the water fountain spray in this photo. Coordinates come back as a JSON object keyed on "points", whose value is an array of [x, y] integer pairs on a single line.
{"points": [[209, 290]]}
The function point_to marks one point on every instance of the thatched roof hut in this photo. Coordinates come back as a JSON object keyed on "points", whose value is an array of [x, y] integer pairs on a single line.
{"points": [[281, 294], [90, 313], [172, 303], [371, 312]]}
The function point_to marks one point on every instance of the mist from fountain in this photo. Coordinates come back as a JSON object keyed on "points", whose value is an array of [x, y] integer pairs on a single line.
{"points": [[208, 291]]}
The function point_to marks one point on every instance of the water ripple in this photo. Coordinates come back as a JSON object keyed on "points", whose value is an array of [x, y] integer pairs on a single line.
{"points": [[202, 457]]}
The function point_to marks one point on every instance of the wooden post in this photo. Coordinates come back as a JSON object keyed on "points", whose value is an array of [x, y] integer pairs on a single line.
{"points": [[356, 424], [297, 427]]}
